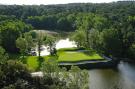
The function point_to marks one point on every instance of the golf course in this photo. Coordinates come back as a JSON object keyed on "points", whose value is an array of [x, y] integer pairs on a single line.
{"points": [[64, 54]]}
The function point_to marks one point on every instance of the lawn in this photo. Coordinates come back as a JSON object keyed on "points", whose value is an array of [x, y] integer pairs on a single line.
{"points": [[77, 56], [32, 62]]}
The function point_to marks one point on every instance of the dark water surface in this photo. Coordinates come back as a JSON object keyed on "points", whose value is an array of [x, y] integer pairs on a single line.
{"points": [[121, 78]]}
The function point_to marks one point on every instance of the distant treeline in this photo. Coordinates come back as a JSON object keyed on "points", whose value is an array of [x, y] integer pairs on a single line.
{"points": [[63, 16]]}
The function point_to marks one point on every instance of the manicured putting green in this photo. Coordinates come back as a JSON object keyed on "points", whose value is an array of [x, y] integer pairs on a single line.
{"points": [[77, 56]]}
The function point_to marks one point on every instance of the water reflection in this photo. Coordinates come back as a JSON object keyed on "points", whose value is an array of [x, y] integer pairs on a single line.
{"points": [[63, 43], [123, 78]]}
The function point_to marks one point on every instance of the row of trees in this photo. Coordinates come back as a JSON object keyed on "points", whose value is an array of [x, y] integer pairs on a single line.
{"points": [[60, 22], [112, 10]]}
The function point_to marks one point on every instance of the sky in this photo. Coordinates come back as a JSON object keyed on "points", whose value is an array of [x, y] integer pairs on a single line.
{"points": [[46, 2]]}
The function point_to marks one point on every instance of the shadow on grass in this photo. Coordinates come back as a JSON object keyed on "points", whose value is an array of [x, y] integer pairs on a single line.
{"points": [[37, 62], [89, 52], [40, 61], [24, 60], [71, 49]]}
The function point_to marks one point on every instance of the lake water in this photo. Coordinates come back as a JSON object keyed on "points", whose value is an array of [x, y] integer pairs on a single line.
{"points": [[121, 78]]}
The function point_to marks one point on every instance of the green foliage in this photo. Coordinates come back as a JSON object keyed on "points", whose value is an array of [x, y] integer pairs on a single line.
{"points": [[85, 23], [5, 17], [79, 38], [44, 39], [22, 44], [40, 39], [72, 79], [29, 37], [15, 75], [50, 69], [9, 87], [11, 72], [25, 43], [10, 31], [94, 39], [3, 55], [111, 44], [76, 78], [63, 17], [50, 42]]}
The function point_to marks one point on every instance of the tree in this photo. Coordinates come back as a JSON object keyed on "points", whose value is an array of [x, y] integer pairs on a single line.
{"points": [[111, 45], [29, 37], [79, 38], [94, 39], [25, 43], [22, 44], [15, 75], [3, 55], [79, 79], [40, 39], [86, 22], [64, 24], [50, 42], [10, 31], [11, 73], [75, 78]]}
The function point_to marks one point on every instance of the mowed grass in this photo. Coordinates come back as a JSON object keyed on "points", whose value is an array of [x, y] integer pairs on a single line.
{"points": [[77, 56], [32, 62]]}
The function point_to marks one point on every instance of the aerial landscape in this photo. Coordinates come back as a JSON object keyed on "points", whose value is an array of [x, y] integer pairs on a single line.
{"points": [[66, 44]]}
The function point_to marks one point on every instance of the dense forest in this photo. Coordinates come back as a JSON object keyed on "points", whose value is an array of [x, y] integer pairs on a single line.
{"points": [[103, 28], [58, 17], [113, 22]]}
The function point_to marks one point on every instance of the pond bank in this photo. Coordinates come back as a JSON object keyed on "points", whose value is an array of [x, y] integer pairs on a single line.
{"points": [[92, 64]]}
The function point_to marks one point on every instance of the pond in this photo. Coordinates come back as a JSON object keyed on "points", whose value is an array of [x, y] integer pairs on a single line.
{"points": [[121, 78]]}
